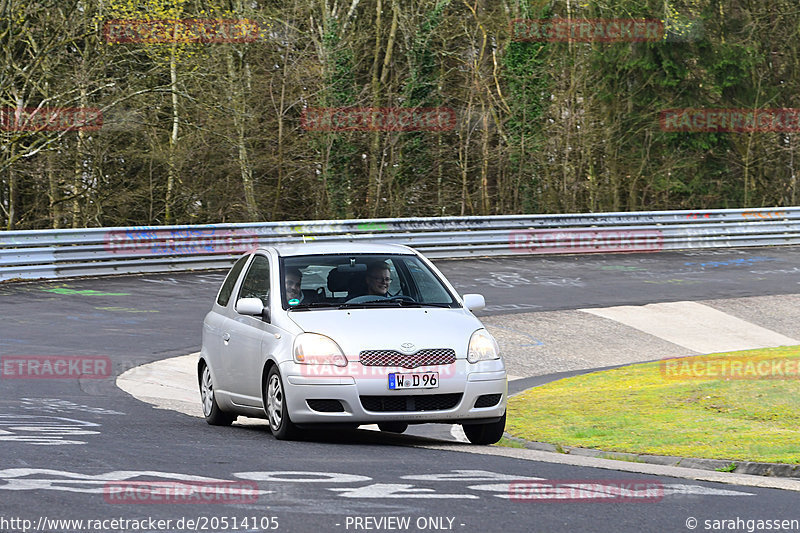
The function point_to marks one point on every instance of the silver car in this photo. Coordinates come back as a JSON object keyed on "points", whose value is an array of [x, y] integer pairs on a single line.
{"points": [[320, 335]]}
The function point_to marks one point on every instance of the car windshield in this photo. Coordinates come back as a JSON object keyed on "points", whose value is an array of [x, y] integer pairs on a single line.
{"points": [[361, 280]]}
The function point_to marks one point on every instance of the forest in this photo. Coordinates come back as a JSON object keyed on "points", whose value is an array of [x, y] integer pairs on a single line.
{"points": [[153, 112]]}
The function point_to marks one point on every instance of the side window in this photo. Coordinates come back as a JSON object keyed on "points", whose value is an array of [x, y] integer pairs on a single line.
{"points": [[256, 282], [227, 286]]}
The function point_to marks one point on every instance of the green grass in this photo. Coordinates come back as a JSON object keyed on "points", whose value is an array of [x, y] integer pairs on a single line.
{"points": [[508, 443], [730, 468], [639, 409], [625, 458]]}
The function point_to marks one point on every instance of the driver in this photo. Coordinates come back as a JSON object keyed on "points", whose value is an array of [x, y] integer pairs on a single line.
{"points": [[378, 278]]}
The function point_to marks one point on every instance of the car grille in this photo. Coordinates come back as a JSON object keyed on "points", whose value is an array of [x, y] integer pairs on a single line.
{"points": [[488, 400], [326, 406], [427, 402], [434, 356]]}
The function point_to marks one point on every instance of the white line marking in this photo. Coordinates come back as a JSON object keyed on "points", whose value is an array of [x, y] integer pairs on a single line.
{"points": [[694, 326]]}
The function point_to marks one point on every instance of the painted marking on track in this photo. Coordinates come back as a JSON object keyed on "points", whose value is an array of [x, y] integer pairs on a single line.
{"points": [[505, 488], [714, 252], [502, 485], [54, 405], [795, 270], [674, 281], [85, 292], [469, 475], [48, 479], [510, 307], [294, 476], [205, 278], [127, 310], [397, 490], [44, 430], [622, 268], [599, 491], [731, 262], [694, 326], [511, 279]]}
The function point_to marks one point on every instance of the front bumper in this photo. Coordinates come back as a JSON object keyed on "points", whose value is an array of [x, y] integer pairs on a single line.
{"points": [[350, 385]]}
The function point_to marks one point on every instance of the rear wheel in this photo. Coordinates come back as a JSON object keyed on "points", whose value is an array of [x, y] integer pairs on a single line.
{"points": [[485, 433], [214, 415], [277, 412], [393, 427]]}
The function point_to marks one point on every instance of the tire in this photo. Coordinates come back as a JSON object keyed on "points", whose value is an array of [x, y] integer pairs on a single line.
{"points": [[485, 433], [280, 424], [214, 415], [393, 427]]}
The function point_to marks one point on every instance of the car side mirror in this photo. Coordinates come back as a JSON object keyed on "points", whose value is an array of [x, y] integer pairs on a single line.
{"points": [[252, 306], [474, 302]]}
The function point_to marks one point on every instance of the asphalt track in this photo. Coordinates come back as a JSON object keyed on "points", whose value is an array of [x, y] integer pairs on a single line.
{"points": [[65, 443]]}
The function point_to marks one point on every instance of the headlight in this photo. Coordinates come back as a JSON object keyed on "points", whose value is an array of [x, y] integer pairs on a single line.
{"points": [[482, 347], [315, 349]]}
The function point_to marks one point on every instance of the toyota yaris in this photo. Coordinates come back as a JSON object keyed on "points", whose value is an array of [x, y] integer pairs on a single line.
{"points": [[316, 335]]}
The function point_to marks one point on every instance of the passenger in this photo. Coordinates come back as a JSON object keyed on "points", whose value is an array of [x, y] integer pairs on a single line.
{"points": [[378, 278], [293, 278]]}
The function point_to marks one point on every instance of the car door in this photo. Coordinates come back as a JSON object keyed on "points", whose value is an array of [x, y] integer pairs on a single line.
{"points": [[214, 324], [244, 335]]}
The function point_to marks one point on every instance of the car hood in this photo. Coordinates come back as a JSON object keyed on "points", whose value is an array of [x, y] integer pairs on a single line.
{"points": [[388, 329]]}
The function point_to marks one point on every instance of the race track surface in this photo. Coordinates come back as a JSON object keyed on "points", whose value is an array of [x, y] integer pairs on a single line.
{"points": [[68, 445]]}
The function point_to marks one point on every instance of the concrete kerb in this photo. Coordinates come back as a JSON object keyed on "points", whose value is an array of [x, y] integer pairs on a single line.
{"points": [[717, 465], [622, 466]]}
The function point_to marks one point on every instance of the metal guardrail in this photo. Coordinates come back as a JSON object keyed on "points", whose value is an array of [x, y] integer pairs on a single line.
{"points": [[101, 251]]}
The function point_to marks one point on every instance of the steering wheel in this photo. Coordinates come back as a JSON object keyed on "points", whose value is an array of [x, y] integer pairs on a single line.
{"points": [[366, 298], [402, 297]]}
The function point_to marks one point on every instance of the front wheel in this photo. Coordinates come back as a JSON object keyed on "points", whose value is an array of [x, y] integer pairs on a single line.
{"points": [[485, 433], [277, 412], [214, 415]]}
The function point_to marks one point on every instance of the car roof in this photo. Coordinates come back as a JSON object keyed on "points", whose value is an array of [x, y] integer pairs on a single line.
{"points": [[321, 248]]}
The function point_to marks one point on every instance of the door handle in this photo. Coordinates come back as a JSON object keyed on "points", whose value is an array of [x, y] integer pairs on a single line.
{"points": [[226, 337]]}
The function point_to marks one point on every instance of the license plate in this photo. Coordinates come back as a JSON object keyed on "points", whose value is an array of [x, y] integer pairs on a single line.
{"points": [[420, 380]]}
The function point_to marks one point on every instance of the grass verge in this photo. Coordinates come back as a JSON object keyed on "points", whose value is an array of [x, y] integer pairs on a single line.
{"points": [[740, 405]]}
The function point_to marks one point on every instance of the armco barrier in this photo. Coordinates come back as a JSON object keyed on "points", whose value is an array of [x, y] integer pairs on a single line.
{"points": [[101, 251]]}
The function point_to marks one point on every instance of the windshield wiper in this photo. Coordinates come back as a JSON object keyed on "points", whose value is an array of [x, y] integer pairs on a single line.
{"points": [[370, 303], [311, 305], [407, 300], [396, 301]]}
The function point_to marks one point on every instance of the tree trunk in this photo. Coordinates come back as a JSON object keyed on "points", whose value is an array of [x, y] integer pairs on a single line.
{"points": [[240, 123], [173, 139], [53, 193]]}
